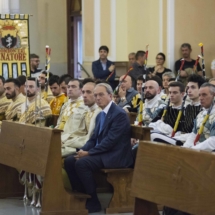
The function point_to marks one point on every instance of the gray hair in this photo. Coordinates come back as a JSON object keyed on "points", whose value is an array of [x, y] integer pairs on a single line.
{"points": [[210, 86], [107, 87], [132, 53], [169, 74]]}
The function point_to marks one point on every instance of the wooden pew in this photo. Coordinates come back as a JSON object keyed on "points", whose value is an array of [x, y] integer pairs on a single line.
{"points": [[120, 179], [38, 150], [180, 178], [132, 117]]}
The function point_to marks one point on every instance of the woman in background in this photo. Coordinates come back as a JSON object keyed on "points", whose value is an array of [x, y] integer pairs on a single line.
{"points": [[159, 69]]}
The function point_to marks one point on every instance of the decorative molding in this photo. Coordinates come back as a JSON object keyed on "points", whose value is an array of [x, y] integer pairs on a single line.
{"points": [[113, 30], [170, 33], [160, 25], [97, 28]]}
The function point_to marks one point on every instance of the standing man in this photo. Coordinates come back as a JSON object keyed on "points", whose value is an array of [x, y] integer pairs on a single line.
{"points": [[188, 61], [4, 102], [138, 68], [12, 91], [109, 147], [34, 63], [102, 68]]}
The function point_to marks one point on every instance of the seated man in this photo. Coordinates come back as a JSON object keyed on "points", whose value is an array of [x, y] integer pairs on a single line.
{"points": [[165, 126], [58, 100], [4, 102], [78, 131], [102, 68], [45, 90], [75, 102], [140, 86], [22, 80], [12, 91], [34, 111], [63, 82], [167, 77], [153, 103], [108, 147], [204, 140], [129, 98]]}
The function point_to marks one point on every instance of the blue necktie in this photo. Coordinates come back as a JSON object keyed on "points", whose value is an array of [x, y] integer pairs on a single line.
{"points": [[101, 122]]}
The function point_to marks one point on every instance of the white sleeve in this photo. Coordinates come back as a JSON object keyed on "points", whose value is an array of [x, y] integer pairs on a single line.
{"points": [[190, 140], [213, 64], [207, 145], [161, 127]]}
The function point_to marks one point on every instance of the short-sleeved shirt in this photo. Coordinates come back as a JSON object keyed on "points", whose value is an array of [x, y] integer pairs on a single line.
{"points": [[187, 64]]}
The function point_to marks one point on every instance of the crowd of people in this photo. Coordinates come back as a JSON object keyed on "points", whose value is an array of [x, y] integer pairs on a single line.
{"points": [[93, 115]]}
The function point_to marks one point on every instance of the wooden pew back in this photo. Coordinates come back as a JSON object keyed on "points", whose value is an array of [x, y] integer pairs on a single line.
{"points": [[25, 147], [177, 177], [38, 150]]}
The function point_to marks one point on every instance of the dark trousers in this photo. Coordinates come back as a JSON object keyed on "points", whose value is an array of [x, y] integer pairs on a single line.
{"points": [[80, 172]]}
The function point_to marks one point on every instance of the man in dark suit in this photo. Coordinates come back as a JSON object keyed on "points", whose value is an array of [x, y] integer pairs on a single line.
{"points": [[102, 67], [109, 147]]}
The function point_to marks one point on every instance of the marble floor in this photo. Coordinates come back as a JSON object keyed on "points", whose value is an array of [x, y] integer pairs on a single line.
{"points": [[15, 206]]}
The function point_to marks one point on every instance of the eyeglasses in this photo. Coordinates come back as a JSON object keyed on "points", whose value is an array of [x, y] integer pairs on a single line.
{"points": [[159, 58]]}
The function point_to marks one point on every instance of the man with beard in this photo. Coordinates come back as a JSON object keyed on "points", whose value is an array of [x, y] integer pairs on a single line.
{"points": [[12, 91], [188, 61], [58, 100], [130, 99], [153, 103], [34, 110], [4, 102], [34, 63], [78, 130], [45, 90]]}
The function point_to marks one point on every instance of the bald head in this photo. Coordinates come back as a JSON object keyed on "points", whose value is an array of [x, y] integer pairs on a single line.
{"points": [[127, 83], [151, 89]]}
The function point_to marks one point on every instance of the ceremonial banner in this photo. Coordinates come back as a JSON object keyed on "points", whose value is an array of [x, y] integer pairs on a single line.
{"points": [[14, 45]]}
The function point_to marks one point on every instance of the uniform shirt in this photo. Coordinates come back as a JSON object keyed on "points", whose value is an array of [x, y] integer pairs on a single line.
{"points": [[207, 138], [79, 130], [56, 104], [11, 112], [68, 109], [4, 103]]}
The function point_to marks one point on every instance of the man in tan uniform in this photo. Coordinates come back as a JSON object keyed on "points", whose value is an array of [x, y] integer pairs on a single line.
{"points": [[78, 130], [4, 102], [74, 105], [46, 94], [34, 110], [12, 92]]}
